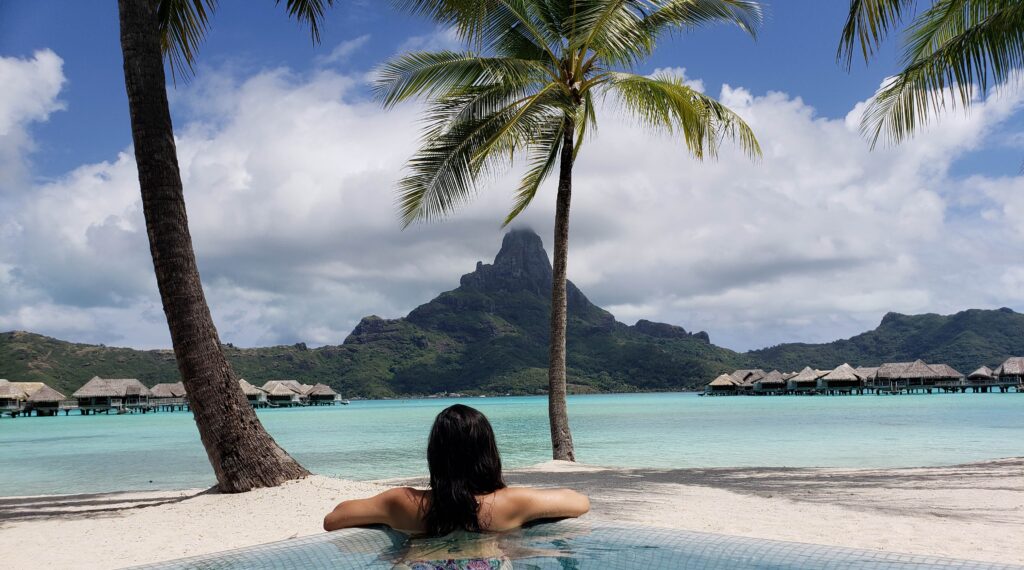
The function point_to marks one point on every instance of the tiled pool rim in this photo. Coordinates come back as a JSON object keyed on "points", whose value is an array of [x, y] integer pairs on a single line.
{"points": [[578, 544]]}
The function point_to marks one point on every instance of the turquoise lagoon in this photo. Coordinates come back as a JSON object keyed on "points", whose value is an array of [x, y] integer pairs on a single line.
{"points": [[385, 439]]}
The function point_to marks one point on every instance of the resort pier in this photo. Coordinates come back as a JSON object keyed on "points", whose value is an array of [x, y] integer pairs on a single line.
{"points": [[917, 377]]}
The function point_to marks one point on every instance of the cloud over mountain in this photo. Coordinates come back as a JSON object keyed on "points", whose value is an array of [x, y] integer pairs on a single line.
{"points": [[290, 185]]}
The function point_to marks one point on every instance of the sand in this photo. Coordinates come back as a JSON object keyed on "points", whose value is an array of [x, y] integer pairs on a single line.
{"points": [[970, 511]]}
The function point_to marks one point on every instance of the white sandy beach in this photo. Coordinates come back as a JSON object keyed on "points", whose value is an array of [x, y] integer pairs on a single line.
{"points": [[971, 511]]}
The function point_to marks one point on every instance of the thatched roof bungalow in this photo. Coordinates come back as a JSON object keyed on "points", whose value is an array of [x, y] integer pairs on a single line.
{"points": [[805, 380], [256, 396], [843, 376], [168, 391], [322, 394], [103, 394], [45, 401], [770, 382], [29, 397], [724, 384], [284, 392], [1012, 368]]}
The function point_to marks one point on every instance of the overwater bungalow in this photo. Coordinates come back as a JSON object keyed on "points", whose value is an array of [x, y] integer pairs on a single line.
{"points": [[11, 398], [804, 382], [45, 401], [745, 379], [282, 393], [725, 384], [323, 395], [1010, 374], [841, 380], [771, 383], [118, 394], [947, 378], [257, 396], [168, 397], [17, 398], [982, 374]]}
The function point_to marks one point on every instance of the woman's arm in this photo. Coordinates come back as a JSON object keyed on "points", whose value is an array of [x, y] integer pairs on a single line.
{"points": [[385, 508], [536, 504]]}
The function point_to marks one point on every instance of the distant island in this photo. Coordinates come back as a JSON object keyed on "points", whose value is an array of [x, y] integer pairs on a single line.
{"points": [[489, 336]]}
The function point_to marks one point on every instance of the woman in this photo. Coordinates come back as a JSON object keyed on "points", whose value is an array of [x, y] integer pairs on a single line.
{"points": [[467, 492]]}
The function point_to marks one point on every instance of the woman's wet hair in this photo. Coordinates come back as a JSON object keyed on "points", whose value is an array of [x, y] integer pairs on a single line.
{"points": [[464, 462]]}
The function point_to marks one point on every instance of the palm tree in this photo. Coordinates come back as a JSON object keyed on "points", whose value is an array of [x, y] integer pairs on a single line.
{"points": [[530, 87], [242, 453], [950, 47]]}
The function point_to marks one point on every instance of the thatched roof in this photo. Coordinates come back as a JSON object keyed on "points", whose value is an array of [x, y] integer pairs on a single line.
{"points": [[20, 390], [723, 380], [280, 388], [111, 388], [293, 385], [918, 369], [866, 372], [841, 372], [805, 375], [9, 391], [176, 390], [892, 369], [321, 390], [788, 375], [1014, 366], [248, 389], [945, 371], [773, 377], [747, 376], [983, 373], [47, 394]]}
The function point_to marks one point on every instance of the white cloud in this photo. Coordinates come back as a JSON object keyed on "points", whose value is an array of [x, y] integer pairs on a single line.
{"points": [[290, 185], [29, 94], [344, 51]]}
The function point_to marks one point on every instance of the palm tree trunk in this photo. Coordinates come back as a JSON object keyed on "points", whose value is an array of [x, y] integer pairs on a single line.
{"points": [[561, 438], [242, 453]]}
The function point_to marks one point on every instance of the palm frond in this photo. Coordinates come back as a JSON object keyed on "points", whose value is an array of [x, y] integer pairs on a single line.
{"points": [[868, 24], [183, 25], [665, 102], [545, 150], [687, 14], [949, 55], [432, 73], [613, 29], [309, 12], [456, 153], [467, 16]]}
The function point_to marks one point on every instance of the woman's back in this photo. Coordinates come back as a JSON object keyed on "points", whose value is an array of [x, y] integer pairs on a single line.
{"points": [[467, 491]]}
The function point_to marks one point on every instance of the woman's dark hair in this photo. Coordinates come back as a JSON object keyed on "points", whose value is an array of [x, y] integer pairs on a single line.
{"points": [[464, 462]]}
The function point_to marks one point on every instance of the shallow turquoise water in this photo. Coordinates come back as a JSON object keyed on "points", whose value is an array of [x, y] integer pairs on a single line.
{"points": [[379, 439]]}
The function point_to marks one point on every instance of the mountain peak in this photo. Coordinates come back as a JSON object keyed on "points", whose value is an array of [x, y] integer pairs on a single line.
{"points": [[521, 263]]}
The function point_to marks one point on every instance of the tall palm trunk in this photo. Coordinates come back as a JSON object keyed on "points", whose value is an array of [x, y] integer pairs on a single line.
{"points": [[558, 415], [242, 453]]}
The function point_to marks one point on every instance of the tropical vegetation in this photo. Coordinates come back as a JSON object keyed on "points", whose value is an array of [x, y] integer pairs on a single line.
{"points": [[951, 50], [530, 84]]}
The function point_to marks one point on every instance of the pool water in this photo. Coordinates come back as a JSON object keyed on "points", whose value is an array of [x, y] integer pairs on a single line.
{"points": [[563, 545]]}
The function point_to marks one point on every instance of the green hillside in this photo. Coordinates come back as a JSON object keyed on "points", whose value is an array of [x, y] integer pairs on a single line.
{"points": [[965, 341]]}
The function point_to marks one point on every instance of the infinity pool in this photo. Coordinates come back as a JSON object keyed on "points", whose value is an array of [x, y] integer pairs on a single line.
{"points": [[564, 545]]}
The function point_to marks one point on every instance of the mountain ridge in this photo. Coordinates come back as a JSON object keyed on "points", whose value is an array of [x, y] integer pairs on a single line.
{"points": [[489, 335]]}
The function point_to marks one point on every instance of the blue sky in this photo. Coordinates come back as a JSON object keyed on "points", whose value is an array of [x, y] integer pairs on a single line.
{"points": [[748, 274]]}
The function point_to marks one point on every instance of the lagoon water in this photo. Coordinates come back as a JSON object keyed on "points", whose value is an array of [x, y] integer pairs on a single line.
{"points": [[383, 439]]}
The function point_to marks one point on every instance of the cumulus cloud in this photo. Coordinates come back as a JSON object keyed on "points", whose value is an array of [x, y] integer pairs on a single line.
{"points": [[290, 185], [29, 94]]}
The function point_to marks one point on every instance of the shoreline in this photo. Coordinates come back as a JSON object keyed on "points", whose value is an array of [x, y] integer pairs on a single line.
{"points": [[959, 511]]}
